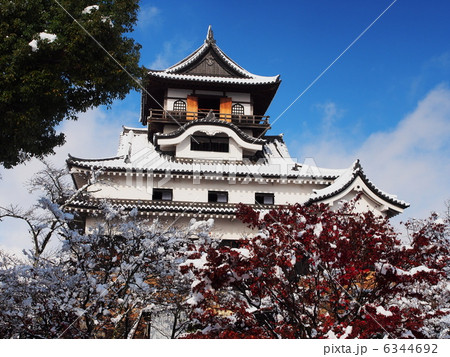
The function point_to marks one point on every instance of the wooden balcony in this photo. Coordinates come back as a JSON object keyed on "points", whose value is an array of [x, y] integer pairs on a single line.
{"points": [[168, 116]]}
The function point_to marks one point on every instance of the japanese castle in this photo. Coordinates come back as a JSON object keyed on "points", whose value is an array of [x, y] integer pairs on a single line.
{"points": [[203, 148]]}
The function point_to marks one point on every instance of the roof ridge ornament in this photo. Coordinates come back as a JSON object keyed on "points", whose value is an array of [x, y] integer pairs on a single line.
{"points": [[210, 36]]}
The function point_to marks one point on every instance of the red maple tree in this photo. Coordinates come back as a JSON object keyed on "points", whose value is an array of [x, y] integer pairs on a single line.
{"points": [[316, 273]]}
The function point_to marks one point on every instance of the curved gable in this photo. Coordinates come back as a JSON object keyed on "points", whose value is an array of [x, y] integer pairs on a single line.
{"points": [[353, 182]]}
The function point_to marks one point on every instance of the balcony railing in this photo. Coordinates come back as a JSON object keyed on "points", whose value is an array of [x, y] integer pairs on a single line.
{"points": [[165, 116]]}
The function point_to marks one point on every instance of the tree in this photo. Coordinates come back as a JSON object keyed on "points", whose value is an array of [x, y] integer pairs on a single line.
{"points": [[102, 283], [315, 273], [51, 68]]}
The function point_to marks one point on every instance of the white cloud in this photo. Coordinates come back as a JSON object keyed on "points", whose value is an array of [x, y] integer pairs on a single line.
{"points": [[148, 15], [94, 134], [171, 53], [412, 161], [331, 114]]}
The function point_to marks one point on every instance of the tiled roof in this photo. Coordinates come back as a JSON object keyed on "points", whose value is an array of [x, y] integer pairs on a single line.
{"points": [[218, 122], [224, 80], [136, 153], [243, 76], [346, 179], [150, 206]]}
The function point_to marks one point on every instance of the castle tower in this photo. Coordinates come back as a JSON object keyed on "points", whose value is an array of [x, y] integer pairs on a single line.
{"points": [[204, 148]]}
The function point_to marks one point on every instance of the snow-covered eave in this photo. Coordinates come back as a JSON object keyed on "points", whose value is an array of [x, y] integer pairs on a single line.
{"points": [[216, 122], [165, 207], [347, 182], [210, 43], [210, 129], [254, 80], [73, 160], [126, 129], [240, 171]]}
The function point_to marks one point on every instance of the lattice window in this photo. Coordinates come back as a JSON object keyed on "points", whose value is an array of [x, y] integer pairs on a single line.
{"points": [[179, 106], [237, 109]]}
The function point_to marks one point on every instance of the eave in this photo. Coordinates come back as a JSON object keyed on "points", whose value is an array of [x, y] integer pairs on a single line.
{"points": [[355, 179]]}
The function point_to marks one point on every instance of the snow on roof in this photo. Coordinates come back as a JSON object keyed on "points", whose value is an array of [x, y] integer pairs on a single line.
{"points": [[219, 122], [249, 78], [162, 206], [346, 179], [137, 153], [229, 80]]}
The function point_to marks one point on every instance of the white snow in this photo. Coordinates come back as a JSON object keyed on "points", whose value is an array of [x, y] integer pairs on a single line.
{"points": [[199, 225], [414, 270], [108, 20], [243, 251], [49, 37], [382, 311], [101, 289], [348, 331], [384, 268], [89, 9], [340, 182], [318, 229]]}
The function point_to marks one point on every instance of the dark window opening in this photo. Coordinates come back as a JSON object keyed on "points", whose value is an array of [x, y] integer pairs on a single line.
{"points": [[209, 143], [264, 198], [218, 196], [237, 109], [162, 194], [206, 103], [179, 106], [231, 243]]}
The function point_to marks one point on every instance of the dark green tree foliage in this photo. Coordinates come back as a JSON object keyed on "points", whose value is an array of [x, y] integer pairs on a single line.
{"points": [[42, 86]]}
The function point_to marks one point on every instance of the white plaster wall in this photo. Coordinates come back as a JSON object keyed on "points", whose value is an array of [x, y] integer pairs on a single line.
{"points": [[175, 94], [222, 229], [195, 189], [364, 204], [178, 93], [238, 97], [217, 93], [243, 99]]}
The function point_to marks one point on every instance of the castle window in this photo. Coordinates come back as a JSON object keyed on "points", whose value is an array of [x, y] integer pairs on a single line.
{"points": [[179, 106], [237, 109], [264, 198], [218, 196], [214, 143], [162, 194], [232, 243]]}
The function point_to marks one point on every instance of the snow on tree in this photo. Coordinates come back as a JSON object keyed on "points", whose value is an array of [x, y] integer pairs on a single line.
{"points": [[316, 273], [103, 283], [51, 68]]}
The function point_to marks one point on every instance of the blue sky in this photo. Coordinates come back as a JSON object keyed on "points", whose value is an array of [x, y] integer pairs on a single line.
{"points": [[386, 101]]}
